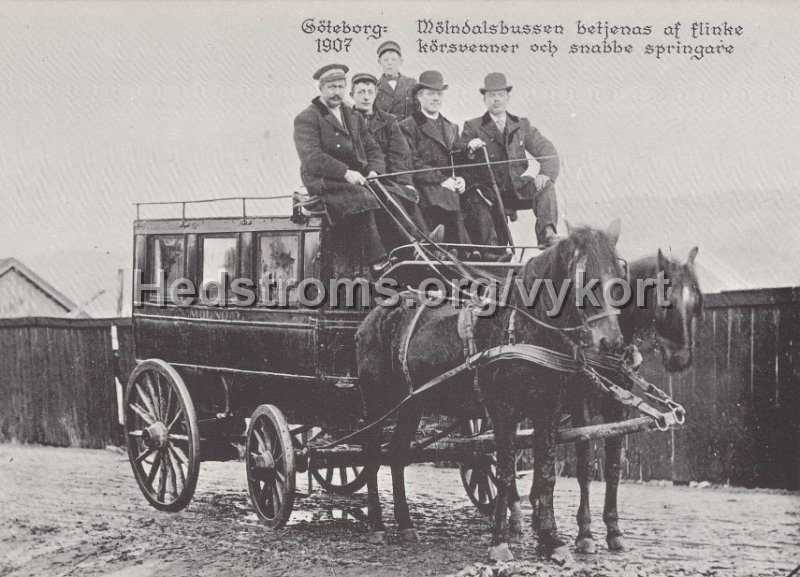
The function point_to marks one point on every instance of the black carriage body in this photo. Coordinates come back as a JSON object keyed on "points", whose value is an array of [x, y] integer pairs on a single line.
{"points": [[234, 358]]}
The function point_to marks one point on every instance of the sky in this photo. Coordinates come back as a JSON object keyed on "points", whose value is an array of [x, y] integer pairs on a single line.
{"points": [[106, 104]]}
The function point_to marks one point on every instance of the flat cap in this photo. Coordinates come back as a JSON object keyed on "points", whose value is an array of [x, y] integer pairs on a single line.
{"points": [[331, 72], [363, 77], [389, 45]]}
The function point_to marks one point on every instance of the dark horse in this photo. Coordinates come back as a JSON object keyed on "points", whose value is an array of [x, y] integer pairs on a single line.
{"points": [[401, 348], [645, 324]]}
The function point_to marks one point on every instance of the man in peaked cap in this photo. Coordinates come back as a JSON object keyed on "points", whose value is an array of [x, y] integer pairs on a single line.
{"points": [[337, 153], [386, 130], [394, 90], [433, 140], [507, 137]]}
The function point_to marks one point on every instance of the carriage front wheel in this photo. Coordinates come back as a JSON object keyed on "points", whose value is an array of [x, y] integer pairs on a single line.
{"points": [[162, 435], [270, 466]]}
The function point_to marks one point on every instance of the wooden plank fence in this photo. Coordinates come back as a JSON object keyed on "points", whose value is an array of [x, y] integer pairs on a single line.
{"points": [[742, 396], [57, 382]]}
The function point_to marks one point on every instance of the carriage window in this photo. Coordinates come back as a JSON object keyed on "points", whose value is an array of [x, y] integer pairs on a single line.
{"points": [[219, 258], [166, 253], [277, 265]]}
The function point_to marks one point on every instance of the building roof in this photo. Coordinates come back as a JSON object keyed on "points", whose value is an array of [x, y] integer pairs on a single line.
{"points": [[11, 264]]}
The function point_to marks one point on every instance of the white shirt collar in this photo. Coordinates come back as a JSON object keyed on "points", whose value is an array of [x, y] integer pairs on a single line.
{"points": [[499, 118], [432, 117]]}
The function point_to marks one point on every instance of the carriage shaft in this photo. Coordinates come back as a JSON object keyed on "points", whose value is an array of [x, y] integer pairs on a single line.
{"points": [[468, 448]]}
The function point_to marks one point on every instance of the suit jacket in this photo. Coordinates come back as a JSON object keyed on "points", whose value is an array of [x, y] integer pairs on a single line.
{"points": [[327, 150], [519, 136], [386, 130], [399, 101], [431, 149]]}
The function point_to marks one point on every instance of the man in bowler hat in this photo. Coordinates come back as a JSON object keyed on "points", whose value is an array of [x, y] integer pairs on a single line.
{"points": [[507, 137], [433, 141], [394, 90], [386, 130], [337, 153]]}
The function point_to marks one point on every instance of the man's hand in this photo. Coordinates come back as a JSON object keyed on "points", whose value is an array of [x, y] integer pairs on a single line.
{"points": [[540, 181], [461, 185], [475, 144], [354, 177], [372, 174], [449, 184]]}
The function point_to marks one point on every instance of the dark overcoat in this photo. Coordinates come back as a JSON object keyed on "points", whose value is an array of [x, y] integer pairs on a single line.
{"points": [[327, 150], [398, 101], [519, 136], [431, 149], [386, 130]]}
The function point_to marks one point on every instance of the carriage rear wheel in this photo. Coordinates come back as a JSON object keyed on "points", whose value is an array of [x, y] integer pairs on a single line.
{"points": [[479, 476], [343, 480], [162, 435], [270, 466]]}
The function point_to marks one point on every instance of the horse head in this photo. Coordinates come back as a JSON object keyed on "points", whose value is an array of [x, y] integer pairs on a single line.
{"points": [[586, 258], [675, 323]]}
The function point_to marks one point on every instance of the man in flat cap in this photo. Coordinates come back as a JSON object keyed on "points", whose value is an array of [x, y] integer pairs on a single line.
{"points": [[386, 130], [433, 141], [507, 137], [394, 90], [337, 153]]}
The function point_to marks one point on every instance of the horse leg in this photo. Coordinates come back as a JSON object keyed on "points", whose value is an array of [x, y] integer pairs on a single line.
{"points": [[544, 481], [504, 431], [377, 530], [584, 543], [514, 507], [405, 429], [613, 450]]}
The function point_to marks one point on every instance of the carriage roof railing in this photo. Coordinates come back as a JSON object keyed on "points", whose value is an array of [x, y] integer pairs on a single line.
{"points": [[184, 203]]}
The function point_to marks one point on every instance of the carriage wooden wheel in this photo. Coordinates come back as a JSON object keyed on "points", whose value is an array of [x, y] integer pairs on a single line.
{"points": [[270, 466], [343, 480], [162, 435], [479, 476]]}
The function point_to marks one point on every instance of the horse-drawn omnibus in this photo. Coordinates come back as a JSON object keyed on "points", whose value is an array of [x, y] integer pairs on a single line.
{"points": [[268, 372]]}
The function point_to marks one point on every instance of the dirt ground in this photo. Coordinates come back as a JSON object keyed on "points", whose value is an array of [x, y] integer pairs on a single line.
{"points": [[79, 512]]}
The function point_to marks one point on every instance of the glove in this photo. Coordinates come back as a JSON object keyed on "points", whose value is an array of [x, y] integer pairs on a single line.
{"points": [[475, 144], [461, 185], [354, 177], [449, 184]]}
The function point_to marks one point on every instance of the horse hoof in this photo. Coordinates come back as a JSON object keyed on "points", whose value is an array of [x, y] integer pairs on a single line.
{"points": [[500, 553], [377, 537], [561, 555], [585, 546], [616, 543], [515, 526], [409, 536]]}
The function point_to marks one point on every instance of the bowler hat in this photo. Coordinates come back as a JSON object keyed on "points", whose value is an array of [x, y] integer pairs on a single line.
{"points": [[495, 81], [389, 45], [430, 79], [363, 77], [331, 72]]}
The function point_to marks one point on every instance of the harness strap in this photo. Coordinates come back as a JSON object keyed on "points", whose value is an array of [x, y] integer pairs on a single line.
{"points": [[407, 341], [511, 329]]}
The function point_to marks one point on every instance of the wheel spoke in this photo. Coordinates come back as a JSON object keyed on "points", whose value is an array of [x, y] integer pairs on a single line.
{"points": [[144, 455], [173, 477], [175, 419], [153, 470], [148, 402], [181, 456], [472, 480], [169, 403], [174, 437], [162, 480], [178, 466], [329, 475], [148, 418], [277, 497], [137, 433], [343, 475], [155, 397]]}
